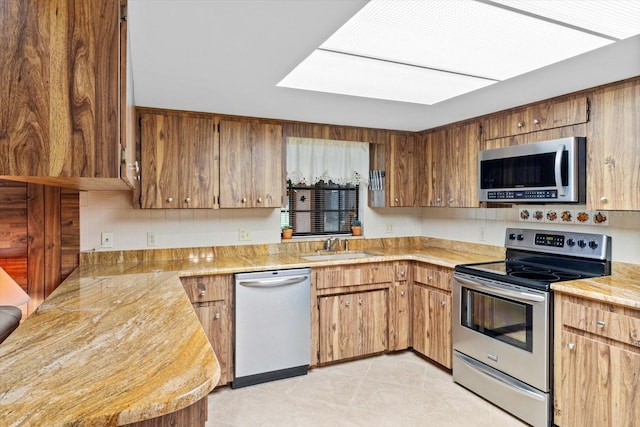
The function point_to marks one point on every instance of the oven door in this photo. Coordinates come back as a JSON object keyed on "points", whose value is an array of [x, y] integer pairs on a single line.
{"points": [[504, 326]]}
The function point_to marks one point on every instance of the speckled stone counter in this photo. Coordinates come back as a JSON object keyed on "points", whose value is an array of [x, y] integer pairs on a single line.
{"points": [[106, 351], [621, 288]]}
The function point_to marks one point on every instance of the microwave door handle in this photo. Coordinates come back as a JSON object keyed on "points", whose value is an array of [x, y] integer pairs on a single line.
{"points": [[558, 170]]}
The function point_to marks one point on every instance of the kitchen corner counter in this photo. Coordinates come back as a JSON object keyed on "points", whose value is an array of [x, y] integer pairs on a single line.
{"points": [[614, 289], [106, 351]]}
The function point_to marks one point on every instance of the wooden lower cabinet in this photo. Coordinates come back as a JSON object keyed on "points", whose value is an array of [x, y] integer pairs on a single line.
{"points": [[212, 302], [596, 364], [352, 325], [431, 329]]}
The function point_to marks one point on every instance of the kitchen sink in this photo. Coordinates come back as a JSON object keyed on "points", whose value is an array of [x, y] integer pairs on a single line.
{"points": [[340, 255]]}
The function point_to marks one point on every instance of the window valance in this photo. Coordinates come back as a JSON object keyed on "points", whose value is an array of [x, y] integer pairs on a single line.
{"points": [[312, 160]]}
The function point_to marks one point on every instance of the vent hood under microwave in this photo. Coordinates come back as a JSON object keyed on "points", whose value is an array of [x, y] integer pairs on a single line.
{"points": [[541, 172]]}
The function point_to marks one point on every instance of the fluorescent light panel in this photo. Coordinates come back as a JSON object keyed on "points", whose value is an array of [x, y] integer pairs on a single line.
{"points": [[454, 43], [616, 18], [352, 75]]}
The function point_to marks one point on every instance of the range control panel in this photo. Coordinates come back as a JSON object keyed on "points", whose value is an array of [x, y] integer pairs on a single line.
{"points": [[587, 245]]}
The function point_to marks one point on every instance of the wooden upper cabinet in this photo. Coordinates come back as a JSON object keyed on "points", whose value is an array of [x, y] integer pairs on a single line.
{"points": [[450, 166], [537, 117], [613, 158], [251, 165], [401, 170], [178, 154], [60, 67]]}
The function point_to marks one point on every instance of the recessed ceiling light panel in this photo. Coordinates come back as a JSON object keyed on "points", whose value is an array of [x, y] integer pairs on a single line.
{"points": [[352, 75]]}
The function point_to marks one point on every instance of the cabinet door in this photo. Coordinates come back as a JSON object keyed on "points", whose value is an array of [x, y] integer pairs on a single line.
{"points": [[60, 85], [267, 166], [613, 161], [196, 166], [251, 172], [597, 384], [461, 175], [400, 323], [353, 325], [432, 169], [214, 317], [159, 177], [432, 324], [338, 327], [177, 169], [402, 170]]}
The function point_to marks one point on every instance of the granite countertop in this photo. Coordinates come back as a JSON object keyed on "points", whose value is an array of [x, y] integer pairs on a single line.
{"points": [[106, 351], [118, 342]]}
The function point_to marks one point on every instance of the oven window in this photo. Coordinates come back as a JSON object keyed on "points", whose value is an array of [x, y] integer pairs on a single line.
{"points": [[503, 319]]}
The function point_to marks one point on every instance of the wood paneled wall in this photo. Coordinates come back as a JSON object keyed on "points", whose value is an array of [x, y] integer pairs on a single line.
{"points": [[39, 236]]}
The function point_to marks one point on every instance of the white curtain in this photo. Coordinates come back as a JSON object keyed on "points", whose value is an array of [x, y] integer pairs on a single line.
{"points": [[311, 160]]}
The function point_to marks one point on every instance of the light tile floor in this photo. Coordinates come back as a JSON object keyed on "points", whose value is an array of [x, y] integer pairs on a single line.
{"points": [[400, 389]]}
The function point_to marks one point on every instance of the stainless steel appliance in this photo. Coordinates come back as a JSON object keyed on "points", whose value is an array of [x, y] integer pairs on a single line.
{"points": [[503, 316], [549, 171], [272, 325]]}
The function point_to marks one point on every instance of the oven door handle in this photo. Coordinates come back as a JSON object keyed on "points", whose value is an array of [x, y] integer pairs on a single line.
{"points": [[517, 295], [558, 170], [505, 380]]}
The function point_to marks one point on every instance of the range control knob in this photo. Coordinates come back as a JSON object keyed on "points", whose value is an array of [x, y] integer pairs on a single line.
{"points": [[520, 237], [582, 243], [571, 242], [593, 244], [512, 236]]}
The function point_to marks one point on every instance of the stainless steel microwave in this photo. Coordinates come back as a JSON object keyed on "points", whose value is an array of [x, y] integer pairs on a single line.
{"points": [[542, 172]]}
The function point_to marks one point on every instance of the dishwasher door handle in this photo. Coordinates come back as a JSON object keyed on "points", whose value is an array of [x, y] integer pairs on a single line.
{"points": [[272, 283]]}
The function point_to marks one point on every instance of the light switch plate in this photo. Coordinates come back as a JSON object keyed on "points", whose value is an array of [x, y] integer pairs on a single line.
{"points": [[244, 234]]}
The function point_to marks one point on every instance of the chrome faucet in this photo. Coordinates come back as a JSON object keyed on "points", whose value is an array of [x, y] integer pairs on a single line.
{"points": [[330, 242]]}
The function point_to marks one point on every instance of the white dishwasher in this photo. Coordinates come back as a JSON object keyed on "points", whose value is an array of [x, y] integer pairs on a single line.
{"points": [[272, 325]]}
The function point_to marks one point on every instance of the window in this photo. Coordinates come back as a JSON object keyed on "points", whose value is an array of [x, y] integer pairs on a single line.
{"points": [[322, 208]]}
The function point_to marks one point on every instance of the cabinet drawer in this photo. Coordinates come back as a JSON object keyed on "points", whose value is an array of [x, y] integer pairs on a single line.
{"points": [[402, 271], [606, 323], [207, 288], [365, 274], [432, 275]]}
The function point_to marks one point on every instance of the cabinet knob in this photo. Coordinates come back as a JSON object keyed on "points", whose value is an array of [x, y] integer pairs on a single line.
{"points": [[571, 346], [536, 121], [520, 124], [244, 200], [429, 278], [401, 293], [347, 303], [202, 290], [360, 301], [169, 199], [604, 199], [451, 200], [259, 199], [402, 273], [600, 323], [443, 303], [216, 316], [187, 200], [397, 200], [438, 199]]}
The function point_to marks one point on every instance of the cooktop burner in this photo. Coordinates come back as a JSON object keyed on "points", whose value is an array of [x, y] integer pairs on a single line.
{"points": [[518, 269]]}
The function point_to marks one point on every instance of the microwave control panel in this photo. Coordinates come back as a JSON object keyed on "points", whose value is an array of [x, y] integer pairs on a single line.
{"points": [[525, 194]]}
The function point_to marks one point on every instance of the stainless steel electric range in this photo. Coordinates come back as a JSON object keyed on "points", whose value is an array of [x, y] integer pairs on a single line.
{"points": [[503, 316]]}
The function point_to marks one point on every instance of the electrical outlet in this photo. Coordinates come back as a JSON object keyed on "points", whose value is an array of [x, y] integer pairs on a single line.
{"points": [[482, 233], [244, 234], [151, 239], [389, 227], [106, 240]]}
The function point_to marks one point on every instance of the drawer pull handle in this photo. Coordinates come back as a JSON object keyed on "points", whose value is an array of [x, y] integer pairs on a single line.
{"points": [[571, 346], [600, 323]]}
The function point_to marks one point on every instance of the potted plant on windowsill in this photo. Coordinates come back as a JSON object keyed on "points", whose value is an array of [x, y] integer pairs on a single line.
{"points": [[356, 227], [287, 231]]}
